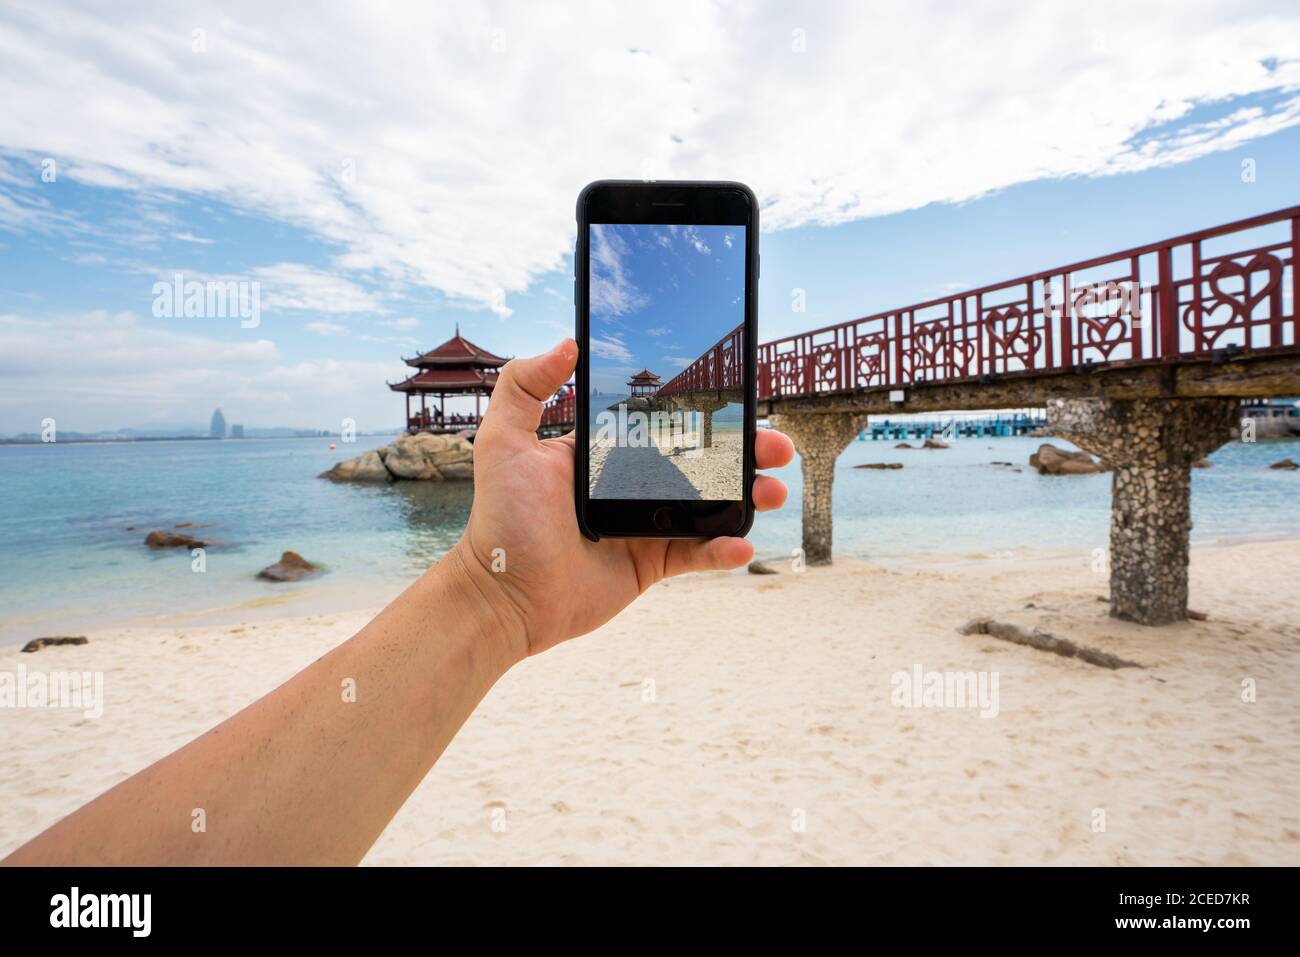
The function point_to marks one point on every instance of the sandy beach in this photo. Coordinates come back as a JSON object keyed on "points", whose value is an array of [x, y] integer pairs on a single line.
{"points": [[744, 719], [670, 467]]}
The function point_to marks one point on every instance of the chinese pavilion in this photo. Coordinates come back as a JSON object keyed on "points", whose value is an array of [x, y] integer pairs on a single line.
{"points": [[644, 382], [457, 367]]}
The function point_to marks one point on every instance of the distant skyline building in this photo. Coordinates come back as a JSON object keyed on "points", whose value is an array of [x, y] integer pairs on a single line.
{"points": [[236, 431], [218, 428]]}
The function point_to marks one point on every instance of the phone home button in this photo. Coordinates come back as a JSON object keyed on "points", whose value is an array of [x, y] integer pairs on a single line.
{"points": [[663, 519]]}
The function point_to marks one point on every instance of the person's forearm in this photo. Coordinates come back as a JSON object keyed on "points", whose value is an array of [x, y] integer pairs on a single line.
{"points": [[314, 771]]}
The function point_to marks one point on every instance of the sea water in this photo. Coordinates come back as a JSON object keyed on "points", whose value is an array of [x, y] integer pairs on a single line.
{"points": [[73, 518]]}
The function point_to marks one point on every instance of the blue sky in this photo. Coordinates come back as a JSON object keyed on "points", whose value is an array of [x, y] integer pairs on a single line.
{"points": [[661, 296], [895, 159]]}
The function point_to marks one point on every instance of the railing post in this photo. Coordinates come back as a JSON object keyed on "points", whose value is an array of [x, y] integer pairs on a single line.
{"points": [[1166, 342], [898, 348], [1067, 327], [1295, 279]]}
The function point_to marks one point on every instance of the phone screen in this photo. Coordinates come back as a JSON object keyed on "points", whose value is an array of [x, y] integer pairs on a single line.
{"points": [[666, 360]]}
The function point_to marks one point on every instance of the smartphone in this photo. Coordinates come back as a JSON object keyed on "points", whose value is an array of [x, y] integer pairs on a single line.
{"points": [[665, 290]]}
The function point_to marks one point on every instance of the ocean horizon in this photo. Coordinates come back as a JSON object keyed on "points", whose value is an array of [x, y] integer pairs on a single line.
{"points": [[76, 516]]}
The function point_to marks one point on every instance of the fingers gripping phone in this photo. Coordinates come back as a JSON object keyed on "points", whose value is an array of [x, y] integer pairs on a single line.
{"points": [[666, 287]]}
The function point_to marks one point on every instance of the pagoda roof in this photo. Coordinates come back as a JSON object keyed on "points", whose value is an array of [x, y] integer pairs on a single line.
{"points": [[645, 375], [447, 380], [457, 352]]}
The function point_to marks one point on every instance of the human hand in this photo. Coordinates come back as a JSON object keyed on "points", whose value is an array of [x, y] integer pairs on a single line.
{"points": [[555, 583]]}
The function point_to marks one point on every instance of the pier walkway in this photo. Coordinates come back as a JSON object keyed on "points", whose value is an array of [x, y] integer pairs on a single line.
{"points": [[1140, 356]]}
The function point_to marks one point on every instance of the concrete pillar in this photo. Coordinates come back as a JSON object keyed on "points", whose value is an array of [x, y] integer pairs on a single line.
{"points": [[1150, 444], [819, 437]]}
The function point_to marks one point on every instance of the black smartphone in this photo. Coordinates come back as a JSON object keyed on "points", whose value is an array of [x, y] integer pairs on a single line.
{"points": [[665, 287]]}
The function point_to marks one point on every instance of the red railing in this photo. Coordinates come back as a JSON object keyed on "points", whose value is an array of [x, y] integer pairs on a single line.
{"points": [[719, 368], [1189, 296], [559, 411], [428, 422]]}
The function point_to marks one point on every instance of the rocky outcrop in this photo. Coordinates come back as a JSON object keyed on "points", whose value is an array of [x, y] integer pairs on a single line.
{"points": [[644, 403], [291, 567], [1285, 464], [1049, 460], [422, 457], [880, 465], [935, 444], [364, 468], [160, 540], [36, 644]]}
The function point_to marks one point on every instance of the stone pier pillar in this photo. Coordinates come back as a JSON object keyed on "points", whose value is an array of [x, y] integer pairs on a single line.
{"points": [[706, 405], [819, 437], [1150, 444]]}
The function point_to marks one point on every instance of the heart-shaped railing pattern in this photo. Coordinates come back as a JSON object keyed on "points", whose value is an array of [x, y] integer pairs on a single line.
{"points": [[1011, 335], [869, 360], [1239, 306], [1108, 330], [1041, 322]]}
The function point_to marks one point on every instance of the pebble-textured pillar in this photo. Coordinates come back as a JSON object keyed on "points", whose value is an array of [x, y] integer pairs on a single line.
{"points": [[1150, 444], [705, 404], [819, 437]]}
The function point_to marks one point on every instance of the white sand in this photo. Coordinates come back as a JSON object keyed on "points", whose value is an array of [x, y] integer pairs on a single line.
{"points": [[675, 466], [771, 699]]}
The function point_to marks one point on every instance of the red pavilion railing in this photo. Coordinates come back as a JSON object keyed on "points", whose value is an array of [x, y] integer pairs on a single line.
{"points": [[559, 411]]}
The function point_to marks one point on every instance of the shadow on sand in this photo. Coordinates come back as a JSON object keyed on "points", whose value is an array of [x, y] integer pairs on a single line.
{"points": [[642, 472]]}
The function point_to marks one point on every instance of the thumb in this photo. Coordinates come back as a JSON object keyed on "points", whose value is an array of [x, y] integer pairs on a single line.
{"points": [[524, 384]]}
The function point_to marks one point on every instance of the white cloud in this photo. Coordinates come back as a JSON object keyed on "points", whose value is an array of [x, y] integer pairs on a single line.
{"points": [[442, 146], [326, 328], [295, 286], [188, 237], [99, 371], [612, 291], [610, 347], [680, 362], [406, 323], [658, 331]]}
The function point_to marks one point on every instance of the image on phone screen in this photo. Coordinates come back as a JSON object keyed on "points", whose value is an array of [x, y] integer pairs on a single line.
{"points": [[667, 413]]}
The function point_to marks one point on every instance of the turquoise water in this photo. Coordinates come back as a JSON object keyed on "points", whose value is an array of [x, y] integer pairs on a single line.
{"points": [[68, 563], [955, 501]]}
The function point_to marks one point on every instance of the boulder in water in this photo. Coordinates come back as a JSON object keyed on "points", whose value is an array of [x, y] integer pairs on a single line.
{"points": [[1049, 460], [422, 457], [159, 540], [364, 468], [290, 568]]}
